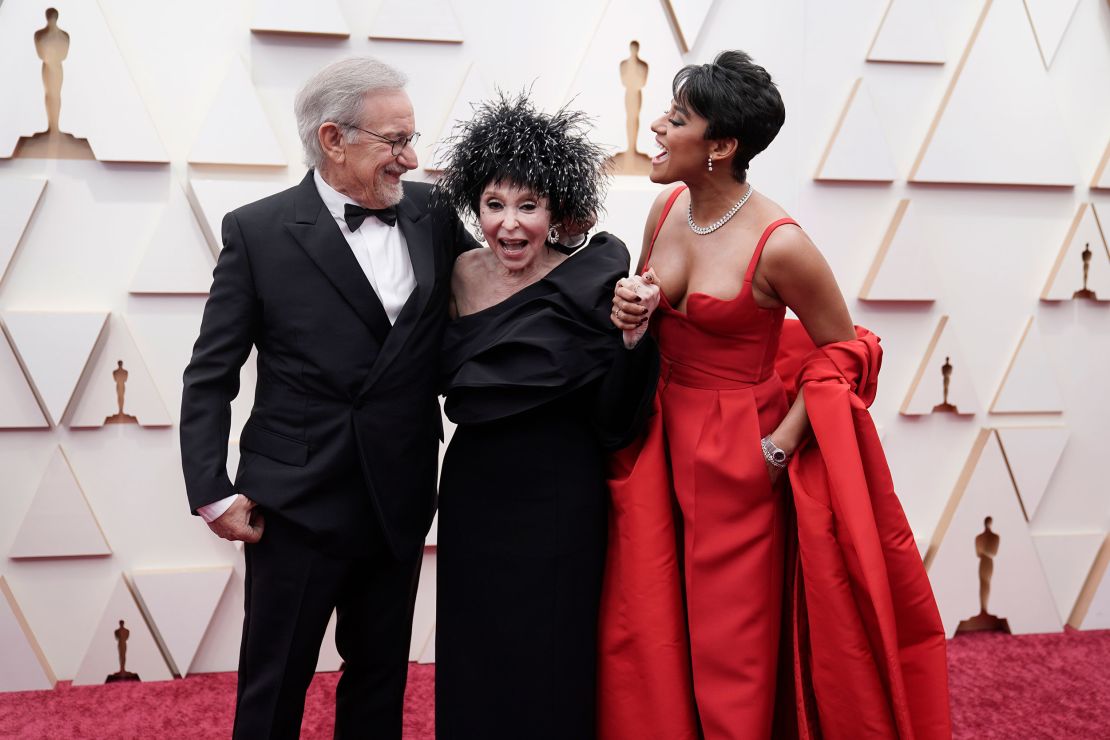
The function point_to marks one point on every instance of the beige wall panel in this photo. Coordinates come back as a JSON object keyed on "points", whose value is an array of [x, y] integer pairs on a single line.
{"points": [[858, 148], [1029, 385], [688, 17], [180, 604], [143, 657], [902, 269], [19, 196], [219, 648], [626, 211], [1050, 19], [1032, 454], [417, 20], [1101, 180], [926, 393], [1000, 98], [237, 130], [1018, 590], [597, 85], [1067, 560], [213, 198], [24, 667], [55, 347], [1092, 609], [18, 407], [99, 100], [908, 33], [424, 616], [474, 90], [98, 401], [1066, 279], [296, 17], [178, 259], [60, 522], [330, 659]]}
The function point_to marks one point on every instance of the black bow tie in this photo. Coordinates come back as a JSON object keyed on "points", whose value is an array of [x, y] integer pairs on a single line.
{"points": [[355, 215]]}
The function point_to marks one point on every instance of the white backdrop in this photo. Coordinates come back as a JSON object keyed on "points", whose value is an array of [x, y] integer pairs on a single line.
{"points": [[991, 235]]}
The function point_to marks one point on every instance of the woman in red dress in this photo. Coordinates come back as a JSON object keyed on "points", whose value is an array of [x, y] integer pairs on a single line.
{"points": [[796, 610]]}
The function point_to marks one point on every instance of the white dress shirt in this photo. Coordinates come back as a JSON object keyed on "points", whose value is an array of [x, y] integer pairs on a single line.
{"points": [[382, 254]]}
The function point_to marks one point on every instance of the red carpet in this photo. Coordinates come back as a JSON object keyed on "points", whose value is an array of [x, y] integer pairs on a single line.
{"points": [[1029, 687]]}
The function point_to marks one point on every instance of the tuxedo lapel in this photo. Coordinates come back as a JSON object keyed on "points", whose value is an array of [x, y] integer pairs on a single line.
{"points": [[417, 230], [319, 236]]}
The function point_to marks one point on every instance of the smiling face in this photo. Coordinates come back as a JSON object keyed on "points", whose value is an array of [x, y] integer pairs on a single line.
{"points": [[515, 223], [365, 168], [680, 134]]}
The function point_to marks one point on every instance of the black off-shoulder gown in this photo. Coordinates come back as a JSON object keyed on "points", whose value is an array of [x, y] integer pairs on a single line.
{"points": [[541, 389]]}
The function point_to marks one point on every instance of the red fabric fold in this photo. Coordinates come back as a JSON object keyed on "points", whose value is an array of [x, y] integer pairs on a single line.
{"points": [[876, 652], [863, 637]]}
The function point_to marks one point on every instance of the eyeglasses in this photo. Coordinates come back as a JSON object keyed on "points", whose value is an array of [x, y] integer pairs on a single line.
{"points": [[396, 146]]}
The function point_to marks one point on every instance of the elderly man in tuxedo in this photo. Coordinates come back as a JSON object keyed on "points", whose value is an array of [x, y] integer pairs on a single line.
{"points": [[342, 284]]}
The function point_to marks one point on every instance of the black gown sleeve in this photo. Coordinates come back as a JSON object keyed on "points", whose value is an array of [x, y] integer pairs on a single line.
{"points": [[625, 394]]}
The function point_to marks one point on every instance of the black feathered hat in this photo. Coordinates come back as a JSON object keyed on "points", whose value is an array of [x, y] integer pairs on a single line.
{"points": [[508, 140]]}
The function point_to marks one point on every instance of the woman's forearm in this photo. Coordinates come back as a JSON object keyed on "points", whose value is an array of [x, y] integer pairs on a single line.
{"points": [[794, 427]]}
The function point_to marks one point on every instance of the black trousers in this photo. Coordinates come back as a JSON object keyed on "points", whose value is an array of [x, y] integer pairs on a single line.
{"points": [[292, 586]]}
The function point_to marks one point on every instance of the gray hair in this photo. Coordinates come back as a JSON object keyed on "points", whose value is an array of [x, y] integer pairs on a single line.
{"points": [[335, 94]]}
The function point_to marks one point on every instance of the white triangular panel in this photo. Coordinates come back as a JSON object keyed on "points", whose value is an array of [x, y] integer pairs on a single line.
{"points": [[428, 654], [902, 269], [18, 407], [180, 604], [297, 17], [1067, 558], [329, 660], [597, 85], [1050, 19], [1019, 591], [18, 198], [1029, 385], [1066, 277], [1092, 609], [998, 100], [908, 33], [1101, 180], [100, 102], [102, 656], [473, 90], [927, 390], [98, 399], [857, 149], [54, 348], [24, 667], [1032, 454], [688, 18], [178, 259], [237, 130], [60, 523], [424, 614], [212, 199], [417, 20]]}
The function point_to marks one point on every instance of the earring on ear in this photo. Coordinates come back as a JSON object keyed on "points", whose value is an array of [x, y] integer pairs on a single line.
{"points": [[553, 234], [478, 233], [711, 164]]}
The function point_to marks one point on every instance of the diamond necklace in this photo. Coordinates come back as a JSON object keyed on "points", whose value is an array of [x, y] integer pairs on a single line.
{"points": [[703, 230]]}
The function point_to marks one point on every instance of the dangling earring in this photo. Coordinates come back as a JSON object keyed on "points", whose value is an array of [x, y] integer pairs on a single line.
{"points": [[711, 164], [478, 233], [553, 234]]}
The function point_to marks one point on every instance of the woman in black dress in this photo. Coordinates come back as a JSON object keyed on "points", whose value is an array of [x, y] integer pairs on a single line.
{"points": [[541, 386]]}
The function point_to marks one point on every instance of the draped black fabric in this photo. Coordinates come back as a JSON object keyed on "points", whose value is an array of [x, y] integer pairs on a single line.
{"points": [[543, 342]]}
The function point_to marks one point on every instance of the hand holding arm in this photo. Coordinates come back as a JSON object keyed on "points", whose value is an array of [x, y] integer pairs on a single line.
{"points": [[634, 300]]}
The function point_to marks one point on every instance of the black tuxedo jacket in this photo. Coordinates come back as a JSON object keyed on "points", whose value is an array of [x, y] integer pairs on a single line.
{"points": [[346, 426]]}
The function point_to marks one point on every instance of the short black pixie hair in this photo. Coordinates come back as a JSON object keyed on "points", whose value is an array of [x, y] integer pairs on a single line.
{"points": [[508, 140], [738, 99]]}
